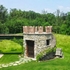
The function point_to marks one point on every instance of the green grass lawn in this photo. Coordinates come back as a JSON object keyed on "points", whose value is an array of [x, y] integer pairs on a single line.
{"points": [[63, 42], [7, 58]]}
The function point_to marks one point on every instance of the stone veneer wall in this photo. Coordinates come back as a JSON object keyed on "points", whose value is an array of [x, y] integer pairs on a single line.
{"points": [[39, 42]]}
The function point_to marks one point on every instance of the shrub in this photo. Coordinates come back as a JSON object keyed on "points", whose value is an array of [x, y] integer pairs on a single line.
{"points": [[19, 41], [47, 51], [8, 46]]}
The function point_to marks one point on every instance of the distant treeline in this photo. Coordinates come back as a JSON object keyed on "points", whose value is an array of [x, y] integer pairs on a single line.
{"points": [[13, 21]]}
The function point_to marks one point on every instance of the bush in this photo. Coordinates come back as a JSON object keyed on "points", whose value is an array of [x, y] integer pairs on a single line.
{"points": [[19, 41], [47, 51], [8, 46]]}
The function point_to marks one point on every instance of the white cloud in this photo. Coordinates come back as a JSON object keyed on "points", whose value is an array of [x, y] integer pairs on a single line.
{"points": [[48, 10], [68, 8], [64, 9], [60, 7]]}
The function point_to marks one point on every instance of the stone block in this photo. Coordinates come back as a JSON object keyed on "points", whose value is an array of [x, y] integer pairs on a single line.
{"points": [[25, 29], [40, 29], [58, 52], [48, 29], [31, 29]]}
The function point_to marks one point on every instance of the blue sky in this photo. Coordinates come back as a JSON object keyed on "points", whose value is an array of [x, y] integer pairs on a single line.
{"points": [[37, 5]]}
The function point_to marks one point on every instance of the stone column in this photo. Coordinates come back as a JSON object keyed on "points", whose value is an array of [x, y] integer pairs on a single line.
{"points": [[25, 29], [31, 29], [40, 29], [48, 29], [36, 29]]}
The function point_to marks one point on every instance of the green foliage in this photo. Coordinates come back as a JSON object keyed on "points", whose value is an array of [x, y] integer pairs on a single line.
{"points": [[47, 51], [46, 24], [62, 29], [19, 41], [14, 21], [8, 46], [3, 29], [3, 14]]}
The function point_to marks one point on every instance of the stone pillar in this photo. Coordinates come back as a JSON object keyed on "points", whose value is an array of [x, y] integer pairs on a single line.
{"points": [[31, 29], [48, 29], [40, 29], [36, 29], [25, 29]]}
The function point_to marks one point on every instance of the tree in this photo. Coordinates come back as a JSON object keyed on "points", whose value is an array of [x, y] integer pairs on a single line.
{"points": [[4, 29], [3, 14]]}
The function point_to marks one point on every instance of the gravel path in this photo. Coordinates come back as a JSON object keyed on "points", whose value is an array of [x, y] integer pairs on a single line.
{"points": [[21, 61]]}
